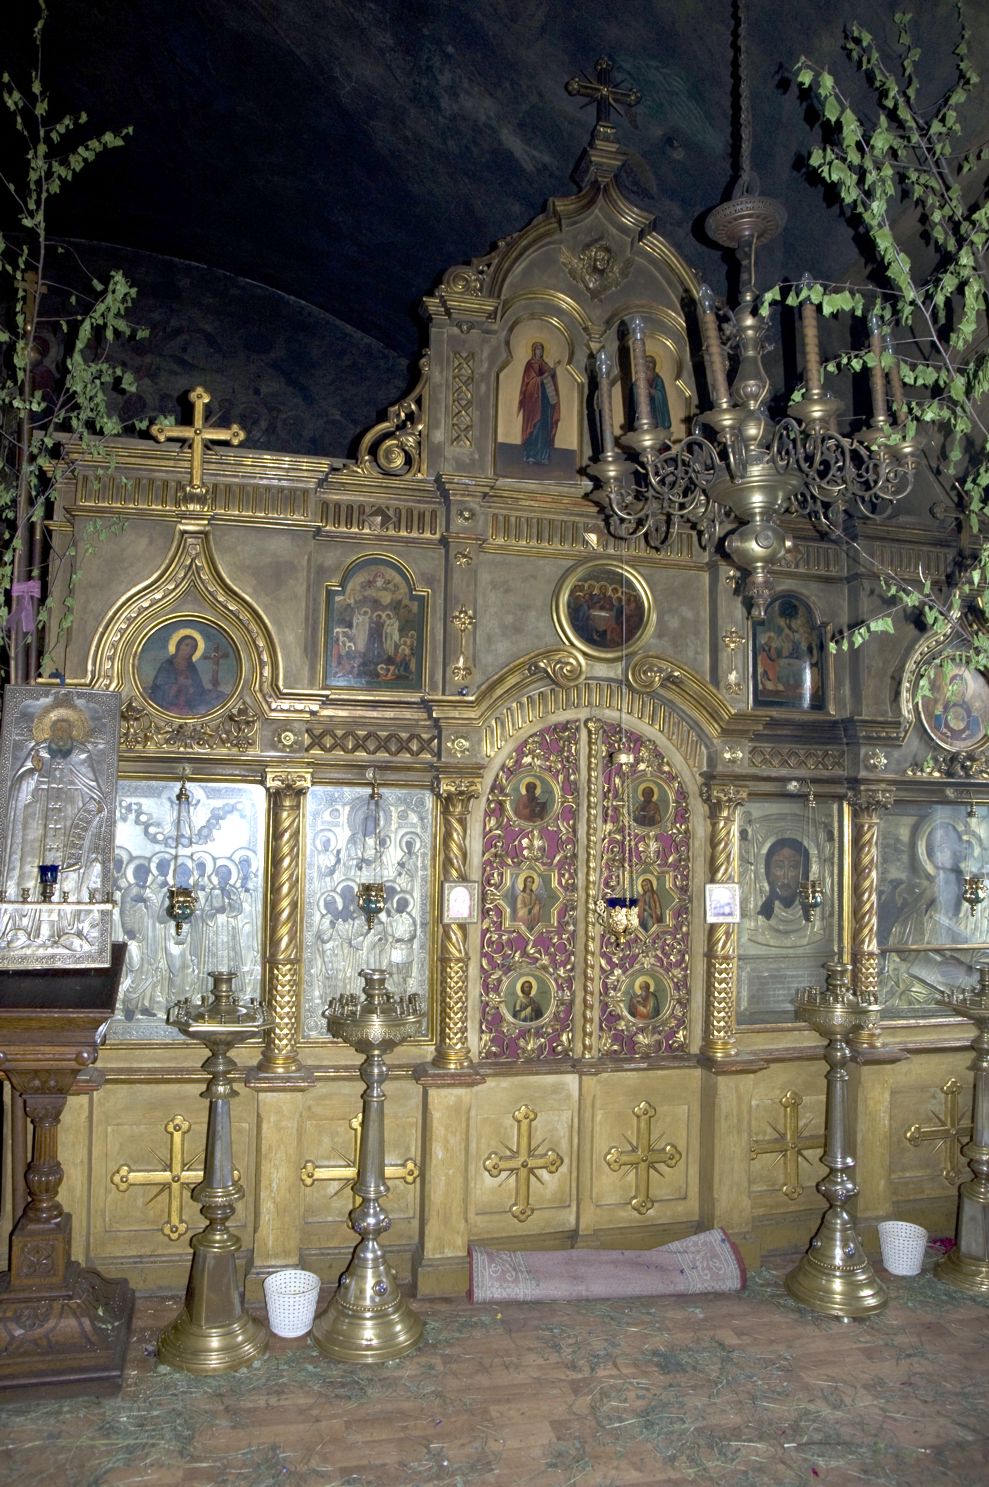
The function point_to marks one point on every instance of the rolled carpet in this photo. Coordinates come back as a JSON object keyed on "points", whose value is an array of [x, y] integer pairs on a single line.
{"points": [[701, 1262]]}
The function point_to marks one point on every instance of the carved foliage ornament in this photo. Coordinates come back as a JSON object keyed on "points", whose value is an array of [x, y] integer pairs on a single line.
{"points": [[236, 731]]}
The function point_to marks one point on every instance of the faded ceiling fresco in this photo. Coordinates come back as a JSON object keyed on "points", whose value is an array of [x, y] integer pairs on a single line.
{"points": [[301, 172]]}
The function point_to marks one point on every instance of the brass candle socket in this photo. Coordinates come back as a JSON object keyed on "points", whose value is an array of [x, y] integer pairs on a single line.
{"points": [[834, 1276], [967, 1265], [213, 1333], [368, 1318]]}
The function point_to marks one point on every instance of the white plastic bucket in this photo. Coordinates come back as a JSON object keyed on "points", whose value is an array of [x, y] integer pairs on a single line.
{"points": [[903, 1247], [291, 1296]]}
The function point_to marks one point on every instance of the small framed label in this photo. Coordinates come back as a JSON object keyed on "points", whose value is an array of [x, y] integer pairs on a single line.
{"points": [[460, 903], [722, 903]]}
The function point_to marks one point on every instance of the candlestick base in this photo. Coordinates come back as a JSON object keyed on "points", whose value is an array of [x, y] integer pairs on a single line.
{"points": [[368, 1320], [964, 1271], [835, 1276], [199, 1345]]}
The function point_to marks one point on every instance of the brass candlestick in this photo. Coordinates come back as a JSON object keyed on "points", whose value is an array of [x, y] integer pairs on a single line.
{"points": [[967, 1265], [213, 1333], [368, 1318], [834, 1275]]}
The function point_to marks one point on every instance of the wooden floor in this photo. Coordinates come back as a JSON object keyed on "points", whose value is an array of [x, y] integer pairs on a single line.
{"points": [[747, 1390]]}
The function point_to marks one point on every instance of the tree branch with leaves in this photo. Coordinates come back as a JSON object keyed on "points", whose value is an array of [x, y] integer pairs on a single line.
{"points": [[918, 199], [59, 385]]}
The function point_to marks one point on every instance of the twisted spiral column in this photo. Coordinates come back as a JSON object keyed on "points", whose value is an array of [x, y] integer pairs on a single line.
{"points": [[718, 1040], [282, 987], [868, 802], [456, 796]]}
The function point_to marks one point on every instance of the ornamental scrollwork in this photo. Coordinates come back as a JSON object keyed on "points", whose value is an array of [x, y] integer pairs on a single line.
{"points": [[236, 731], [394, 446]]}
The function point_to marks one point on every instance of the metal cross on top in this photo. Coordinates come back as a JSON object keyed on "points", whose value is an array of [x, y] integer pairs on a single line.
{"points": [[644, 1158], [197, 435], [523, 1164], [606, 94]]}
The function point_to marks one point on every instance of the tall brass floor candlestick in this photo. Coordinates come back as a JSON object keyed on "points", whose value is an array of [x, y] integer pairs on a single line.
{"points": [[213, 1333], [834, 1275], [368, 1318], [967, 1265]]}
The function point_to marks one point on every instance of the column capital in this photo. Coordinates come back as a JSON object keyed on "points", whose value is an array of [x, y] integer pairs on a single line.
{"points": [[723, 799]]}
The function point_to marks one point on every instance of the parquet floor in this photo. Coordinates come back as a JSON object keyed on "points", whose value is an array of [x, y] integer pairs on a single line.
{"points": [[747, 1390]]}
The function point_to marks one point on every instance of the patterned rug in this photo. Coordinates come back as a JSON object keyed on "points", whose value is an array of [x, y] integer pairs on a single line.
{"points": [[707, 1262]]}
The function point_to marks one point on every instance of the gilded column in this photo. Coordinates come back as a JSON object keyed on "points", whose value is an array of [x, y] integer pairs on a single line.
{"points": [[287, 790], [867, 802], [718, 1039], [456, 796], [592, 844]]}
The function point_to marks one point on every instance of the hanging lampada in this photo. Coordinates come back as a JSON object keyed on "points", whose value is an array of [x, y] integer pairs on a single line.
{"points": [[182, 900], [740, 471], [371, 887], [809, 891], [619, 912], [974, 884]]}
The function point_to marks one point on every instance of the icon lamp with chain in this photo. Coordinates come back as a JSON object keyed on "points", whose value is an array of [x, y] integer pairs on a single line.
{"points": [[619, 912], [739, 470], [974, 884], [809, 890], [371, 887], [182, 900]]}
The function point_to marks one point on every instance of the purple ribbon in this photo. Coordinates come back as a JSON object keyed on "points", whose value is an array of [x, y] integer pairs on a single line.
{"points": [[24, 605]]}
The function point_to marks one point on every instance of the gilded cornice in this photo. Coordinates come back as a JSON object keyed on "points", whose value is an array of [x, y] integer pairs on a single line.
{"points": [[137, 477], [555, 680]]}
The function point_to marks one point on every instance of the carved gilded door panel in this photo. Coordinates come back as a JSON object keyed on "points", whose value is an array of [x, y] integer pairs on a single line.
{"points": [[644, 983], [529, 884], [563, 828]]}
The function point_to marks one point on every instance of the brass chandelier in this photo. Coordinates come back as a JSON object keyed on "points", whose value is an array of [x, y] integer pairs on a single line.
{"points": [[739, 470]]}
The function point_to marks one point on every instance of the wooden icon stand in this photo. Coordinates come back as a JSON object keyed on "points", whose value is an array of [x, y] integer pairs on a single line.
{"points": [[63, 1329]]}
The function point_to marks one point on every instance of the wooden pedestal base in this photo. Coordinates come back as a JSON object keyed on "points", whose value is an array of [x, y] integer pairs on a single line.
{"points": [[68, 1339]]}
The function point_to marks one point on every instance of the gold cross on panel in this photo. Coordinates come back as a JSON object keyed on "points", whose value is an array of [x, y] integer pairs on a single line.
{"points": [[643, 1158], [792, 1144], [345, 1173], [950, 1133], [196, 434], [523, 1164], [173, 1177]]}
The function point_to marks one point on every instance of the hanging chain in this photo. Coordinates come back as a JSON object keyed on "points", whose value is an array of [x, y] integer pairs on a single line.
{"points": [[747, 185]]}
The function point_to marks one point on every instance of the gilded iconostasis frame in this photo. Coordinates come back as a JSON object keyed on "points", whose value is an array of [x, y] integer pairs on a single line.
{"points": [[220, 855], [782, 942], [931, 941], [346, 843]]}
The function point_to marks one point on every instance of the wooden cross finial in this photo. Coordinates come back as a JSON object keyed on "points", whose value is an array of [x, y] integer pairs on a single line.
{"points": [[196, 434], [606, 94]]}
